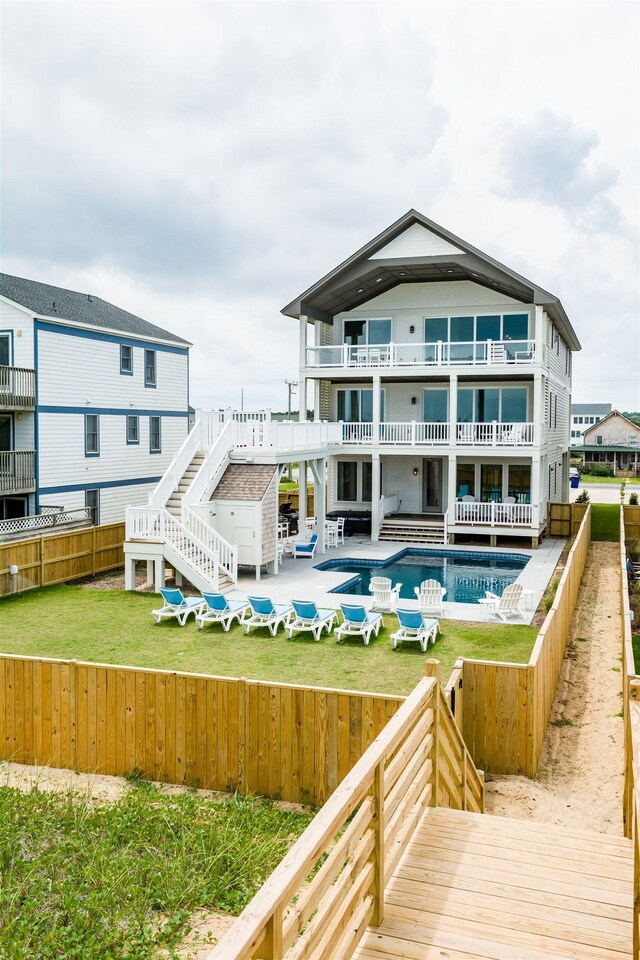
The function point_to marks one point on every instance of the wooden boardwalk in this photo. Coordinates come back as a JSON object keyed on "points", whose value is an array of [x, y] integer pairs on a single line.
{"points": [[474, 886]]}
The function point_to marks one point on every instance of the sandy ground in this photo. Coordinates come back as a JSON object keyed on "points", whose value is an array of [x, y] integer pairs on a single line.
{"points": [[579, 781]]}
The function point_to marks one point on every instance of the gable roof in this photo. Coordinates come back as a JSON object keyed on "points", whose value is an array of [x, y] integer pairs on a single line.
{"points": [[601, 423], [58, 303], [593, 409], [414, 249]]}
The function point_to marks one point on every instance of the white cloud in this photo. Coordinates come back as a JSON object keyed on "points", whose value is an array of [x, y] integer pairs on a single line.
{"points": [[203, 163]]}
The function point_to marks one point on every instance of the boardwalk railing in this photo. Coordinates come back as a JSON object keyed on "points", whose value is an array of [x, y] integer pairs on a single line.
{"points": [[628, 677], [58, 558], [507, 705], [632, 799], [417, 761]]}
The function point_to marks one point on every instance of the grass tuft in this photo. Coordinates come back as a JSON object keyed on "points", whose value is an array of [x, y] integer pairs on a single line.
{"points": [[561, 722], [120, 881]]}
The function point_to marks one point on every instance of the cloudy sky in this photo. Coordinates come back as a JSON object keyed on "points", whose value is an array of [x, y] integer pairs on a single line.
{"points": [[201, 164]]}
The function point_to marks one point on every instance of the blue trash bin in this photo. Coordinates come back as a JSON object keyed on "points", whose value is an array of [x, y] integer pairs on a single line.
{"points": [[575, 482]]}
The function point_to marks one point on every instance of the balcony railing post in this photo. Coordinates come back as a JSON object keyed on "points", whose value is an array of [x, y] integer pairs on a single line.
{"points": [[493, 513], [413, 433], [494, 427]]}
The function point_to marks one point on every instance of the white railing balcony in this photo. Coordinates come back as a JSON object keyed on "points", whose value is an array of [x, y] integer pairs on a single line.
{"points": [[287, 436], [494, 514], [441, 354], [413, 432], [495, 434], [17, 471], [17, 388]]}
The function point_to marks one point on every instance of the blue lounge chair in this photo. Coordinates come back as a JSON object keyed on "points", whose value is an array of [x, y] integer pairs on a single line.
{"points": [[306, 549], [415, 628], [176, 605], [220, 610], [265, 614], [357, 623], [308, 617]]}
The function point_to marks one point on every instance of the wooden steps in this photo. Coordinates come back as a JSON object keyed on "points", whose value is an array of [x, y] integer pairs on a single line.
{"points": [[474, 886], [429, 530]]}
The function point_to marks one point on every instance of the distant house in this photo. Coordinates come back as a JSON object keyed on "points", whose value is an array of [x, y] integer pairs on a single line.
{"points": [[584, 415], [93, 402], [615, 440]]}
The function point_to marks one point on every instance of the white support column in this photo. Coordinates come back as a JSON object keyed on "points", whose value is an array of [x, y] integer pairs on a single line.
{"points": [[159, 574], [319, 470], [535, 491], [453, 409], [178, 578], [130, 573], [302, 409], [302, 497], [377, 392], [538, 408], [149, 571], [302, 385], [376, 519], [316, 401]]}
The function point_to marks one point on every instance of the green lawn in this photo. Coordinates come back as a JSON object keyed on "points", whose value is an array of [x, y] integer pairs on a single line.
{"points": [[119, 881], [605, 521], [613, 481], [112, 626]]}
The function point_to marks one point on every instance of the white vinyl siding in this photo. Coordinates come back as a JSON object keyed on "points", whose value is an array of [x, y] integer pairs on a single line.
{"points": [[21, 326]]}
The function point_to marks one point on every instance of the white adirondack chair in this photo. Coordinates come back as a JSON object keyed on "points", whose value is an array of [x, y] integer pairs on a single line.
{"points": [[430, 596], [508, 605], [385, 598]]}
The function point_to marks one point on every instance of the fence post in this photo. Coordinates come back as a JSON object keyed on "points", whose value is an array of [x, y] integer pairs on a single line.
{"points": [[272, 947], [93, 551], [378, 849], [42, 561], [432, 669]]}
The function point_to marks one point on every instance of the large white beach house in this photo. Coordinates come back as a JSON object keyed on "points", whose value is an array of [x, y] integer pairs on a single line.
{"points": [[93, 403], [451, 376]]}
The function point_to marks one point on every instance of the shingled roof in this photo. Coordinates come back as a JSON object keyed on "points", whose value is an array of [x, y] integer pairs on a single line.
{"points": [[244, 481], [57, 303]]}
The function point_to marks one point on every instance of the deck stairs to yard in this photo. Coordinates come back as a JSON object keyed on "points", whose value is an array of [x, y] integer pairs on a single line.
{"points": [[472, 885], [174, 503], [420, 530]]}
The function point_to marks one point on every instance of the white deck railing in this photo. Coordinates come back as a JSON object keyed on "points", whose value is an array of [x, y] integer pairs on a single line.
{"points": [[287, 435], [201, 438], [17, 471], [414, 432], [441, 354], [149, 523], [17, 387], [494, 514]]}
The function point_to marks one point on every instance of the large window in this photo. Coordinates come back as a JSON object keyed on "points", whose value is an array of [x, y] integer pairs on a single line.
{"points": [[92, 500], [91, 435], [491, 482], [356, 406], [347, 480], [126, 358], [519, 484], [465, 330], [485, 404], [466, 480], [150, 379], [155, 435], [436, 406], [362, 332], [133, 429], [5, 350]]}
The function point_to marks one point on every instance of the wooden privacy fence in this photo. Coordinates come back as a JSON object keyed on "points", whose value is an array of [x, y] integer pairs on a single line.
{"points": [[294, 743], [628, 676], [58, 558], [632, 520], [564, 519], [308, 908], [506, 706], [632, 800]]}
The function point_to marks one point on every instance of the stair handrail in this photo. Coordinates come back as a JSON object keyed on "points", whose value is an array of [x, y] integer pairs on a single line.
{"points": [[156, 523], [202, 436], [226, 553]]}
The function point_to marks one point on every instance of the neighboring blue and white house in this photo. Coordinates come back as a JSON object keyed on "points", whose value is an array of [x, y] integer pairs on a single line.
{"points": [[93, 402], [585, 415]]}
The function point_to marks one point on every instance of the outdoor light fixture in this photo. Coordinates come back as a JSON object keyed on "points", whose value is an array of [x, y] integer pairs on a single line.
{"points": [[415, 471], [412, 329], [414, 400]]}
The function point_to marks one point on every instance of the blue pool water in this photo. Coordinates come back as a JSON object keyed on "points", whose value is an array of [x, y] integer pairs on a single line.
{"points": [[466, 575]]}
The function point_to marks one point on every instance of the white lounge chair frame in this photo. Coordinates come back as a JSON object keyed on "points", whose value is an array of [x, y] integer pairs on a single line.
{"points": [[316, 624], [235, 610], [430, 596], [385, 597], [179, 610], [423, 635], [280, 613], [508, 605], [357, 628], [301, 547]]}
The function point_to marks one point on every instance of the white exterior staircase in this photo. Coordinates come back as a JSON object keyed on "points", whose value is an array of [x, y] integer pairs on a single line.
{"points": [[174, 503]]}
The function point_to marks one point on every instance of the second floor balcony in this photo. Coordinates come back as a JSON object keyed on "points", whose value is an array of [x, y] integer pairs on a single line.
{"points": [[416, 433], [478, 353], [17, 388], [17, 471]]}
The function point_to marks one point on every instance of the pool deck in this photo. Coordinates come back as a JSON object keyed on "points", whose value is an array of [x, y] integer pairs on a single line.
{"points": [[301, 580]]}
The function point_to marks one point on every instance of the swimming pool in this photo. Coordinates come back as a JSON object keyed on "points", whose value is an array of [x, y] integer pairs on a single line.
{"points": [[465, 574]]}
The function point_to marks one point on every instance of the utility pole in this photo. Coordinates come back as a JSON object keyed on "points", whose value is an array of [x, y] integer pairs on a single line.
{"points": [[291, 386]]}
